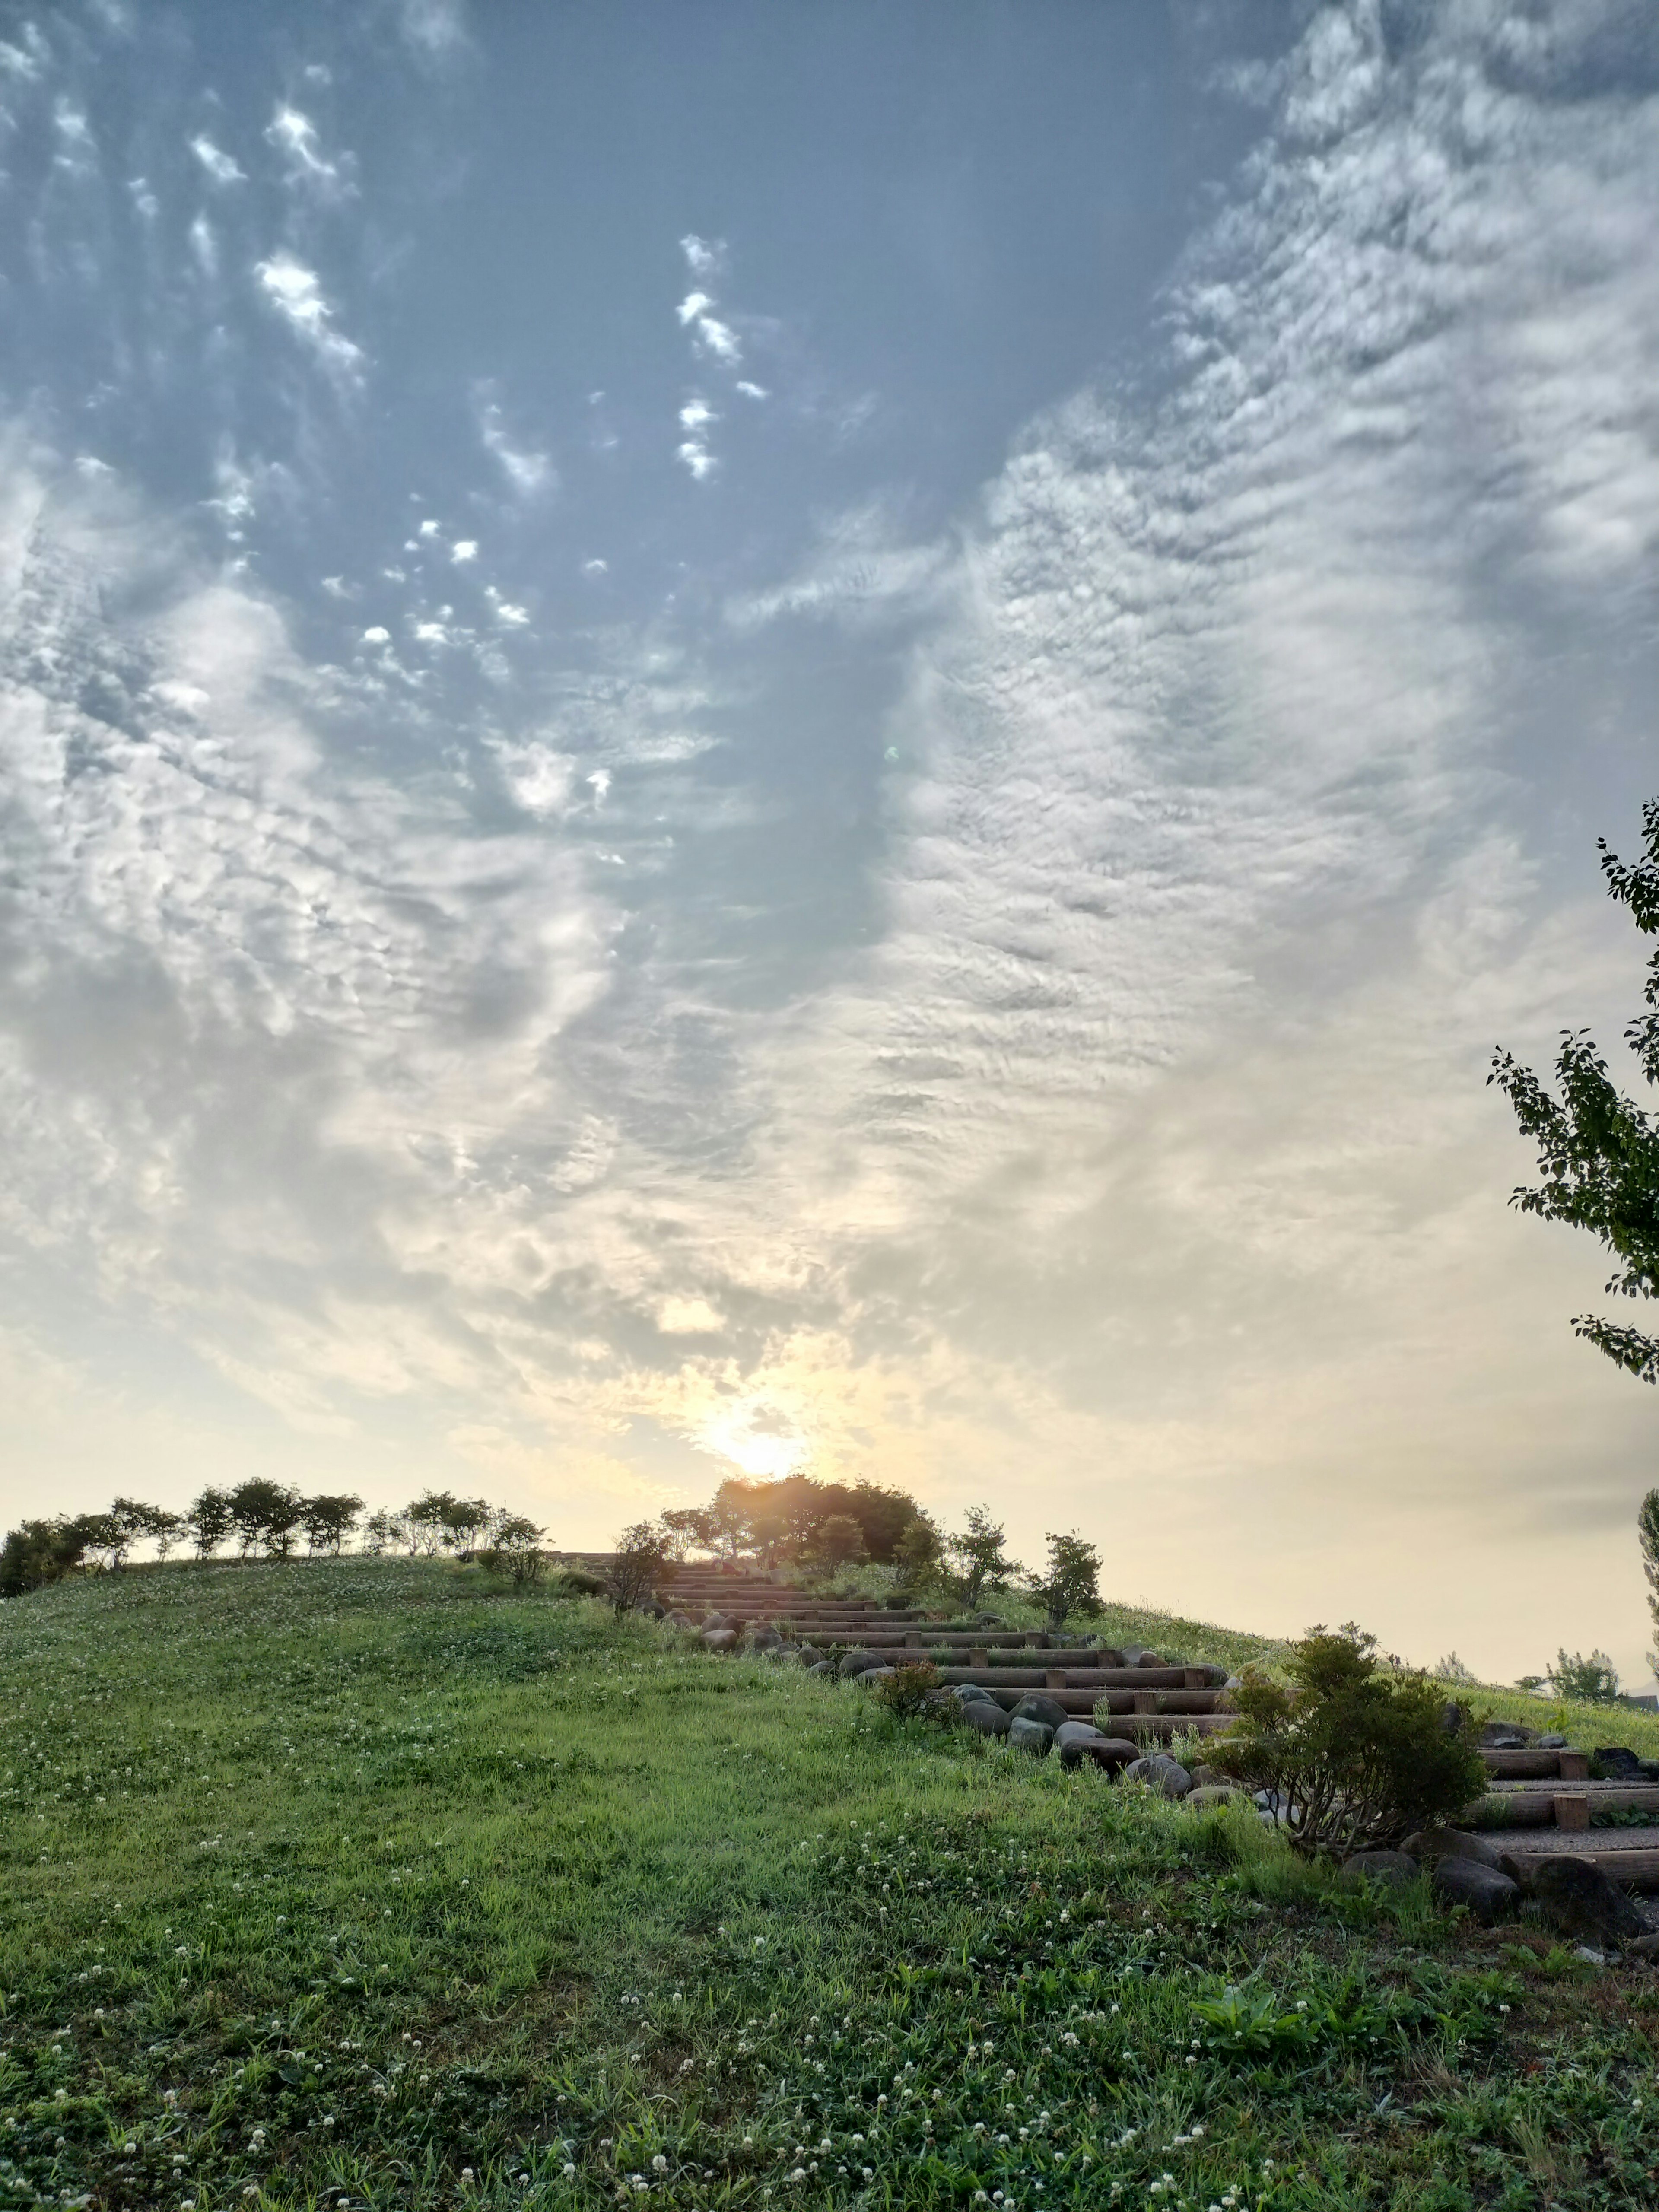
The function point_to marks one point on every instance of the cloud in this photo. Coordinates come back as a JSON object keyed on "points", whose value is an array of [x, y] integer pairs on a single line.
{"points": [[529, 472], [436, 28], [221, 167], [463, 551], [697, 418], [704, 257], [296, 294], [293, 135]]}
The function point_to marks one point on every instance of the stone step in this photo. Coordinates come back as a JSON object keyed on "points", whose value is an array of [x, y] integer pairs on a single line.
{"points": [[1629, 1857], [1523, 1808], [1536, 1765]]}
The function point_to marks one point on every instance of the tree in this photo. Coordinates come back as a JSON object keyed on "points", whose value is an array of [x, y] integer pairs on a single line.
{"points": [[431, 1528], [835, 1541], [512, 1546], [977, 1555], [465, 1520], [1647, 1531], [644, 1553], [39, 1553], [917, 1554], [328, 1521], [1072, 1583], [103, 1532], [1452, 1669], [1359, 1757], [135, 1520], [1588, 1682], [381, 1531], [1598, 1152], [209, 1521], [265, 1515]]}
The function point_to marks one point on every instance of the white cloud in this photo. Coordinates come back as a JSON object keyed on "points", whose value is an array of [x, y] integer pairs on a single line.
{"points": [[428, 529], [510, 616], [220, 167], [295, 293], [376, 635], [751, 391], [528, 471], [293, 135], [704, 257], [435, 27], [463, 551]]}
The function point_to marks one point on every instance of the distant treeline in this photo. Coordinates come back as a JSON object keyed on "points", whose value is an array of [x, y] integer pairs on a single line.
{"points": [[266, 1520]]}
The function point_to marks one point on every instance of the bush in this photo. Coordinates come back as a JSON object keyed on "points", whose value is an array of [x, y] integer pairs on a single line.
{"points": [[1359, 1757], [1588, 1682], [40, 1553], [910, 1689], [514, 1547]]}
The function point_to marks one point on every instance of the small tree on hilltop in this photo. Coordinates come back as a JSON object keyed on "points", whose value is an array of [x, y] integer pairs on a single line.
{"points": [[643, 1557], [431, 1528], [103, 1532], [1588, 1682], [976, 1553], [328, 1521], [1359, 1757], [917, 1555], [1072, 1583], [512, 1545], [39, 1553], [835, 1542], [1598, 1152], [384, 1532], [209, 1521], [162, 1529], [265, 1515]]}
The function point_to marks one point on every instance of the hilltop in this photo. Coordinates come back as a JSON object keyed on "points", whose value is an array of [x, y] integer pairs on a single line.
{"points": [[374, 1881]]}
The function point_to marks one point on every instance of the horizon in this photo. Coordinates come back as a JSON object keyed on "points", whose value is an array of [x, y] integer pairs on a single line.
{"points": [[832, 742]]}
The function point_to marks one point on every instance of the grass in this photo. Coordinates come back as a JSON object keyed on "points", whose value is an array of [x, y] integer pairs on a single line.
{"points": [[374, 1882]]}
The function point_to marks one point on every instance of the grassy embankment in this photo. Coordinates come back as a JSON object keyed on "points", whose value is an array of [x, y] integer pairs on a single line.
{"points": [[371, 1882]]}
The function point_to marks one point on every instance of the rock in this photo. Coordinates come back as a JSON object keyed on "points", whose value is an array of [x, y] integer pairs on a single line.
{"points": [[1505, 1735], [1452, 1843], [1488, 1895], [1581, 1898], [809, 1654], [822, 1666], [1150, 1659], [1619, 1762], [1032, 1735], [1049, 1710], [1113, 1752], [855, 1663], [872, 1675], [1390, 1867], [677, 1619], [1455, 1718], [967, 1691], [1553, 1743], [720, 1639], [984, 1717], [1642, 1947], [1130, 1654], [1207, 1795], [716, 1620], [1161, 1772], [1215, 1678]]}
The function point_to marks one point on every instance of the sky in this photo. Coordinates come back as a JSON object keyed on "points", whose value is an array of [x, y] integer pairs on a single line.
{"points": [[737, 738]]}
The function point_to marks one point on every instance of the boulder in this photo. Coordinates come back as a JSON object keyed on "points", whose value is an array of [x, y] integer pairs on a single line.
{"points": [[1576, 1893], [1619, 1762], [1150, 1659], [872, 1675], [715, 1619], [1452, 1843], [1553, 1743], [1160, 1772], [1391, 1867], [967, 1691], [1489, 1895], [822, 1666], [721, 1639], [1203, 1775], [1049, 1710], [1032, 1735], [1506, 1736], [1110, 1752], [984, 1717], [1130, 1654], [855, 1663], [1208, 1794], [809, 1654], [678, 1619]]}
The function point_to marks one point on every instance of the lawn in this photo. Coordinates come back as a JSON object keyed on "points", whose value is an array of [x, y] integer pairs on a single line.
{"points": [[369, 1882]]}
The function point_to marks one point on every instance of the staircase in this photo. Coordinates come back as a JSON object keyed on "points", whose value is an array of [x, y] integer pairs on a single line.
{"points": [[1540, 1802], [1153, 1700]]}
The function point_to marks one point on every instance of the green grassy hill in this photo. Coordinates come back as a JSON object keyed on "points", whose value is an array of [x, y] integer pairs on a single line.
{"points": [[373, 1884]]}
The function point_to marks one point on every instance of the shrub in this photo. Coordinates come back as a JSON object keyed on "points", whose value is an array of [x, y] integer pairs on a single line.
{"points": [[40, 1553], [514, 1547], [911, 1692], [644, 1557], [1072, 1583], [1589, 1681], [1359, 1757]]}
